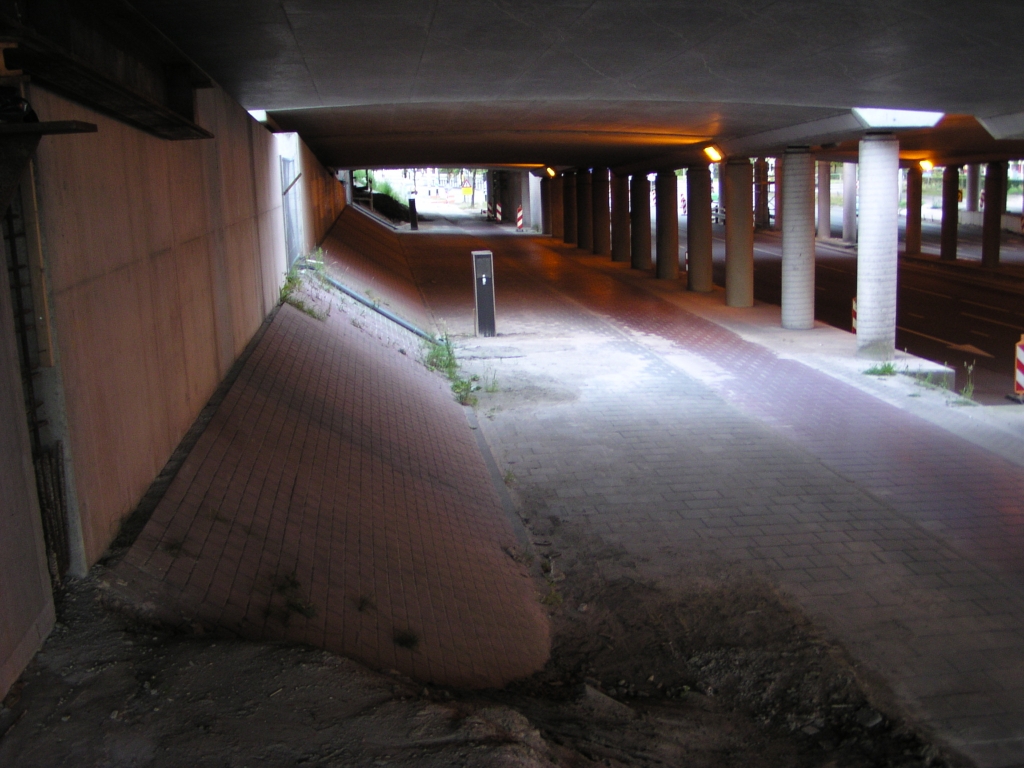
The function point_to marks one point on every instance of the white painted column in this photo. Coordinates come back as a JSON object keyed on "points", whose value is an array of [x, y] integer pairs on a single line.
{"points": [[879, 163], [824, 200], [973, 186], [798, 239], [850, 203], [532, 215], [739, 232]]}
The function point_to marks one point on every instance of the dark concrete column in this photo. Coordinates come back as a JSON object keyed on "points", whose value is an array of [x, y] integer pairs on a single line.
{"points": [[667, 225], [698, 228], [798, 239], [914, 178], [992, 220], [973, 186], [569, 207], [555, 208], [739, 232], [584, 210], [620, 217], [762, 217], [824, 200], [545, 205], [850, 203], [602, 245], [640, 222], [950, 211], [879, 168]]}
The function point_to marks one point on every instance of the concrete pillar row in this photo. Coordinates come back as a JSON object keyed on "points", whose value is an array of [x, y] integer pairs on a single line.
{"points": [[640, 222], [556, 207], [879, 165], [569, 208], [698, 228], [667, 225], [950, 212], [914, 196], [973, 186], [739, 232], [798, 240], [620, 217], [602, 239], [824, 200], [584, 210], [992, 219], [850, 203]]}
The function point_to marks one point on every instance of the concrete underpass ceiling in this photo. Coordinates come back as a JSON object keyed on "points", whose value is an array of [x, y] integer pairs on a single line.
{"points": [[562, 82]]}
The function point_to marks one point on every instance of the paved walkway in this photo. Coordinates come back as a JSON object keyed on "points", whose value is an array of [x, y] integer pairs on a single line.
{"points": [[902, 539], [338, 498]]}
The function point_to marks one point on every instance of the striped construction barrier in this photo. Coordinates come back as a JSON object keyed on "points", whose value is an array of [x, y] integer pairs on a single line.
{"points": [[1018, 371], [854, 323], [519, 218]]}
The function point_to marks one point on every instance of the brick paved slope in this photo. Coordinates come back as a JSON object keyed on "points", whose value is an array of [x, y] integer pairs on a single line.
{"points": [[367, 257], [337, 498], [903, 540]]}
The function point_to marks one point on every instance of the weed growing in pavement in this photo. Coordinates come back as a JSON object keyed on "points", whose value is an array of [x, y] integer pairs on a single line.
{"points": [[552, 598], [510, 477], [882, 369], [968, 389], [405, 638], [440, 356], [491, 382], [293, 281]]}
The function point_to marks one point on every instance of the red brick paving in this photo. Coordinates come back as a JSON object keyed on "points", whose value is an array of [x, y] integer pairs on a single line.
{"points": [[339, 479]]}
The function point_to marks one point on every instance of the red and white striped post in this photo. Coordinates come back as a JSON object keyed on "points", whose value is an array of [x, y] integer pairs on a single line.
{"points": [[854, 320], [497, 210], [519, 218], [1018, 369]]}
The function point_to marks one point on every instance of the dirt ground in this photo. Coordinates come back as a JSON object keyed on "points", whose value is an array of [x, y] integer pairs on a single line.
{"points": [[718, 671]]}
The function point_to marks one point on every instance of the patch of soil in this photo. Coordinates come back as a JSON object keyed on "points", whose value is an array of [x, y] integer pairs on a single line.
{"points": [[109, 691], [719, 672]]}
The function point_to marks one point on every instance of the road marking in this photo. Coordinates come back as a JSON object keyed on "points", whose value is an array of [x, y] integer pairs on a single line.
{"points": [[931, 293], [993, 322], [979, 333], [919, 317], [989, 306]]}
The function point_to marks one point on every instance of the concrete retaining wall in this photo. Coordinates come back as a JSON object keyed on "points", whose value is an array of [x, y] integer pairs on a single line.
{"points": [[163, 259], [26, 605]]}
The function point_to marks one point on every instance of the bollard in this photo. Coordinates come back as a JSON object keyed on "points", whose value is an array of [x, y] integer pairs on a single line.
{"points": [[497, 212], [519, 218], [483, 292], [414, 220], [854, 323], [1018, 370]]}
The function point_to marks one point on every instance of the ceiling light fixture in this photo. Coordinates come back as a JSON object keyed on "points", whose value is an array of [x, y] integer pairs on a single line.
{"points": [[714, 153], [926, 165], [551, 172], [870, 117]]}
